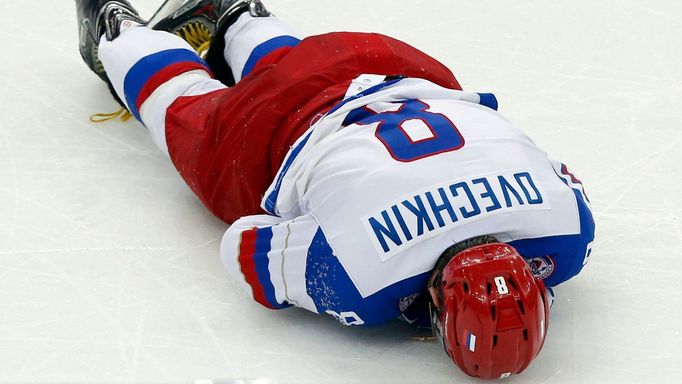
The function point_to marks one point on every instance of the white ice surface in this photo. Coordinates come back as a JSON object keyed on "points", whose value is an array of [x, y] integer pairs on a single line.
{"points": [[109, 266]]}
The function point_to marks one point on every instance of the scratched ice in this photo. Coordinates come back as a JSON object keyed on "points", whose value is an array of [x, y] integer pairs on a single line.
{"points": [[109, 267]]}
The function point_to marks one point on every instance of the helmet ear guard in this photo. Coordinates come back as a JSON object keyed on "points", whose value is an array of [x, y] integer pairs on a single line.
{"points": [[489, 312]]}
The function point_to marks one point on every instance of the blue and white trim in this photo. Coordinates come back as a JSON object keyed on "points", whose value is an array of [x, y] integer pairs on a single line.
{"points": [[149, 66], [470, 341], [270, 201]]}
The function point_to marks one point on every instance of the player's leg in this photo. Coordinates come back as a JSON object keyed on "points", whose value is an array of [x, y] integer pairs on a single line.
{"points": [[252, 43], [239, 33], [150, 70], [147, 70], [97, 18], [216, 137]]}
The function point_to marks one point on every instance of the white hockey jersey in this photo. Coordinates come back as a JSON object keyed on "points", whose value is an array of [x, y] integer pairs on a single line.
{"points": [[368, 199]]}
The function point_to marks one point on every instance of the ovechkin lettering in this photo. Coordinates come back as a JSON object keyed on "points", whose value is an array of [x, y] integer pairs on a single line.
{"points": [[441, 207]]}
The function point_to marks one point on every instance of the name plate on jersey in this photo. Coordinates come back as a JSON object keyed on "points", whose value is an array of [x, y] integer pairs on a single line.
{"points": [[429, 212]]}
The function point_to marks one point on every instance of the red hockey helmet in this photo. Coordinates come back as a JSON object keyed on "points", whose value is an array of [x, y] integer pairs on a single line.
{"points": [[490, 313]]}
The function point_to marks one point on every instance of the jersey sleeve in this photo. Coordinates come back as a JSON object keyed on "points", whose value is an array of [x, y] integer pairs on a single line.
{"points": [[283, 263], [558, 258], [267, 257]]}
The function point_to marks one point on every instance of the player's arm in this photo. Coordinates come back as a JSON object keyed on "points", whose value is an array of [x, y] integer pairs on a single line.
{"points": [[267, 256], [281, 263]]}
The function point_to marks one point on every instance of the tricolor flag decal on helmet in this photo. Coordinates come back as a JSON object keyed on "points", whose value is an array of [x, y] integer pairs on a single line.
{"points": [[470, 340]]}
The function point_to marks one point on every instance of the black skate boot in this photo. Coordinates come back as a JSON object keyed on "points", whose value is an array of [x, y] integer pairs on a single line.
{"points": [[203, 23], [102, 17]]}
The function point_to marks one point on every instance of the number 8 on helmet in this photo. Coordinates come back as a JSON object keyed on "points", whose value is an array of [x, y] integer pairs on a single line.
{"points": [[489, 311]]}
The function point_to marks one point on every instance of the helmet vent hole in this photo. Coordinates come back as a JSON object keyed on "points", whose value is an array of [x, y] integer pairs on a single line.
{"points": [[489, 288], [523, 310], [512, 283], [494, 340], [466, 288], [525, 334], [492, 311], [476, 368]]}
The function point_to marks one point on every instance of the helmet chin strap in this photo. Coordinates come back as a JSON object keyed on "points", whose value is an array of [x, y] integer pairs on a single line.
{"points": [[436, 326], [434, 289], [434, 307]]}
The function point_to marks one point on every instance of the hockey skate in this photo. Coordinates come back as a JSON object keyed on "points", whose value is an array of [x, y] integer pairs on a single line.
{"points": [[102, 17], [203, 23], [97, 18]]}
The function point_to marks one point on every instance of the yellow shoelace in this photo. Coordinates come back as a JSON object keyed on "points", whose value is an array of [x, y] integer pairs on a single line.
{"points": [[122, 114], [195, 34]]}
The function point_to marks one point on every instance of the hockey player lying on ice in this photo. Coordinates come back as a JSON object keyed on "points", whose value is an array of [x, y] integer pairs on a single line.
{"points": [[360, 180]]}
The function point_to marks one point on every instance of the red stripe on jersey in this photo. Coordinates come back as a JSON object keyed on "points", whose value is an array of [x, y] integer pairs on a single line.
{"points": [[247, 251], [163, 76], [565, 171]]}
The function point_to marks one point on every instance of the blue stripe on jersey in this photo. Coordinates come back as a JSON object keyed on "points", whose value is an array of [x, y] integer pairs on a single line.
{"points": [[271, 200], [357, 115], [331, 289], [266, 48], [261, 260], [569, 252], [489, 100], [148, 66]]}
